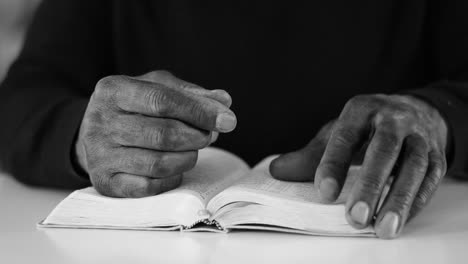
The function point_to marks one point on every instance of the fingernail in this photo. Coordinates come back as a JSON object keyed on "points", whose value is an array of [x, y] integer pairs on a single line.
{"points": [[387, 228], [214, 137], [223, 94], [226, 122], [360, 213], [328, 189]]}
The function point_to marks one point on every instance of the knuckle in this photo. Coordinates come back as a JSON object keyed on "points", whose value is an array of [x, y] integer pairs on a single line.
{"points": [[398, 117], [166, 184], [371, 186], [95, 128], [391, 140], [123, 129], [158, 101], [171, 135], [154, 75], [163, 166], [421, 137], [167, 166], [381, 120], [418, 141], [158, 76], [369, 102], [96, 156], [107, 85], [418, 161], [357, 100], [417, 151], [388, 119], [422, 198], [156, 136], [136, 190], [164, 136], [198, 112], [401, 198], [157, 166], [429, 189], [100, 182], [106, 82], [92, 135], [431, 182], [385, 151], [392, 117], [333, 168], [418, 203], [388, 143], [345, 136], [185, 85], [161, 74], [128, 190]]}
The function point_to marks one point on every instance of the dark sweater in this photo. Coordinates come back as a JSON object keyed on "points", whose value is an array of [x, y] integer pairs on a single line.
{"points": [[290, 66]]}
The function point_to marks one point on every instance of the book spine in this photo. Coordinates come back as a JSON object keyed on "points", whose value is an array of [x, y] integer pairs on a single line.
{"points": [[206, 222]]}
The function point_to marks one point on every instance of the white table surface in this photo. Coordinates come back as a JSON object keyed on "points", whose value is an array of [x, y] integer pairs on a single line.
{"points": [[438, 235]]}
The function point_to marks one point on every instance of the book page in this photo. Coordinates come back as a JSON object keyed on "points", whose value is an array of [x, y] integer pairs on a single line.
{"points": [[260, 181], [215, 170], [88, 208], [259, 199]]}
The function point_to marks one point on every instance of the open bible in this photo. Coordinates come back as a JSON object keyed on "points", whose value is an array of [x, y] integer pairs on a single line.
{"points": [[220, 194]]}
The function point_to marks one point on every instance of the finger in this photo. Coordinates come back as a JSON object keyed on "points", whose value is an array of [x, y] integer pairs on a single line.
{"points": [[214, 137], [158, 133], [395, 209], [435, 172], [158, 100], [151, 164], [344, 141], [168, 79], [300, 165], [379, 161], [123, 185]]}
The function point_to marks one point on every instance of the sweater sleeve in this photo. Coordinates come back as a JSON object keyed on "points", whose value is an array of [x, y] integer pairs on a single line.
{"points": [[447, 52], [44, 96]]}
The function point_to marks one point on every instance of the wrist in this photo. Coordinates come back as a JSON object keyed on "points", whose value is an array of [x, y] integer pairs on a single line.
{"points": [[79, 154]]}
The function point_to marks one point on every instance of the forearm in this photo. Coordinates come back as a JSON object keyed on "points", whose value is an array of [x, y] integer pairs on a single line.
{"points": [[45, 93], [39, 117], [447, 56]]}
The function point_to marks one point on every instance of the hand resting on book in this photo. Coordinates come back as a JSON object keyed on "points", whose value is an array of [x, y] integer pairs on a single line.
{"points": [[139, 134], [401, 136]]}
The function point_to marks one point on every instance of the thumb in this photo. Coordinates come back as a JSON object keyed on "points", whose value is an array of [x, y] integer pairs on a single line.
{"points": [[170, 80], [301, 165]]}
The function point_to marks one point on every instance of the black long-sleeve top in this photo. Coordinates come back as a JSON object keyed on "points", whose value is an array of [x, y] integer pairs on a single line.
{"points": [[290, 66]]}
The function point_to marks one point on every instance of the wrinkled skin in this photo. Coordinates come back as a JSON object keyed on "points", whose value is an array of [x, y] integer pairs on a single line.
{"points": [[397, 135], [140, 134]]}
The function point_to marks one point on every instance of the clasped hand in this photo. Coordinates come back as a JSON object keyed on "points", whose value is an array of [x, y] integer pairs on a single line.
{"points": [[139, 134]]}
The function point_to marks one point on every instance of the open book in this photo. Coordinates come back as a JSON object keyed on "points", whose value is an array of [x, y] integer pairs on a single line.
{"points": [[220, 194]]}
